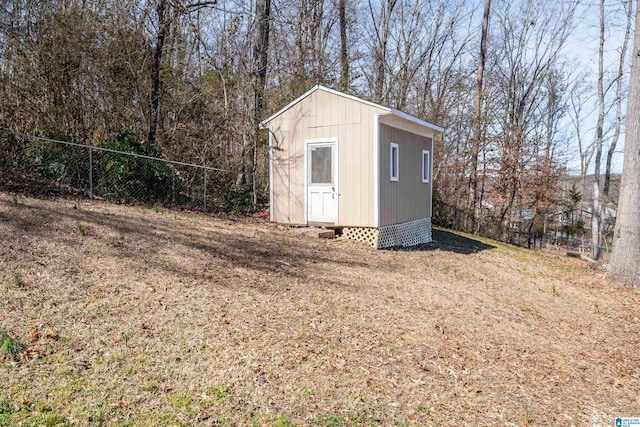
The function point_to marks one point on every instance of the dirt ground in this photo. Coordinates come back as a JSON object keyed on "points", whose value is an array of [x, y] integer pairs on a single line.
{"points": [[138, 316]]}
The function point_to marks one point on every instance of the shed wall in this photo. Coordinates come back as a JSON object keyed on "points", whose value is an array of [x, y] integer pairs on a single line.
{"points": [[324, 115], [409, 198]]}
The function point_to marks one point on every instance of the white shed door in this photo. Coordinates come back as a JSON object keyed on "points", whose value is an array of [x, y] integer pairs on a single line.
{"points": [[322, 198]]}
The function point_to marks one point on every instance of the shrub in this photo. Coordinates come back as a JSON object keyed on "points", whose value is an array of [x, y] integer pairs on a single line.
{"points": [[123, 178], [237, 198], [50, 162], [441, 211], [9, 348]]}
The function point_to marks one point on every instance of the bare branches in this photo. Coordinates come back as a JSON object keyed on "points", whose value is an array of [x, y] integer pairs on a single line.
{"points": [[199, 5], [195, 76], [618, 97]]}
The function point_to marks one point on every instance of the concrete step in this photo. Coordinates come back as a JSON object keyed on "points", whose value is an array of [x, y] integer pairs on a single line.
{"points": [[321, 233]]}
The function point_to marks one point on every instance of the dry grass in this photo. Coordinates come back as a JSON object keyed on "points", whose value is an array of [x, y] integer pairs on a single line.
{"points": [[137, 317]]}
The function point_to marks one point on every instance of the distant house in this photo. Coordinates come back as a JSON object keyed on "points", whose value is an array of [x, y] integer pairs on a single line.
{"points": [[342, 162]]}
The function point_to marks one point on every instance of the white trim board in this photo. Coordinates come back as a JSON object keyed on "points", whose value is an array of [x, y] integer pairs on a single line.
{"points": [[270, 175], [431, 181], [376, 170], [416, 120], [410, 126]]}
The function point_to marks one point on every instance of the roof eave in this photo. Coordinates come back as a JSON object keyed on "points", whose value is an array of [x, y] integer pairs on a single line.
{"points": [[417, 121]]}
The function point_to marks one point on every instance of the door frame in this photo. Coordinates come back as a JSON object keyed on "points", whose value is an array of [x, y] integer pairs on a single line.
{"points": [[305, 172]]}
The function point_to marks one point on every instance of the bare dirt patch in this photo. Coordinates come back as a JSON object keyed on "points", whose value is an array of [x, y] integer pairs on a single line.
{"points": [[137, 317]]}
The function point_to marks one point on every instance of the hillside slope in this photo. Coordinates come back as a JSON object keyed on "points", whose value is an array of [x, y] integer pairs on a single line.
{"points": [[137, 317]]}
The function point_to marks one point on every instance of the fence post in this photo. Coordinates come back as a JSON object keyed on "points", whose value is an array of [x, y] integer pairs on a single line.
{"points": [[205, 189], [173, 186], [90, 173]]}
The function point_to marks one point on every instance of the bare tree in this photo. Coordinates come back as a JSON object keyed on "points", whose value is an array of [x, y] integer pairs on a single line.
{"points": [[597, 222], [260, 59], [579, 100], [628, 6], [381, 31], [477, 123], [165, 18], [439, 71], [625, 260], [163, 29], [596, 252], [530, 40], [344, 46], [260, 50]]}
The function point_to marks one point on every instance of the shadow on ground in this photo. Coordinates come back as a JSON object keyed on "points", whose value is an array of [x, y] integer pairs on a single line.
{"points": [[148, 240], [450, 241], [447, 240]]}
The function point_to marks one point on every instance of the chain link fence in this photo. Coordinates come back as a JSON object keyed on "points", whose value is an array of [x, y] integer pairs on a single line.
{"points": [[45, 166], [555, 233]]}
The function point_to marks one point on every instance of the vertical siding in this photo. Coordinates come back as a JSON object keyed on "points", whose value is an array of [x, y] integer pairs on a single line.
{"points": [[408, 198], [325, 115]]}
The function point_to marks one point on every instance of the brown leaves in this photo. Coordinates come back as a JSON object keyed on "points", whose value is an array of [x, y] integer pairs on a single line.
{"points": [[118, 405], [52, 335], [34, 335], [339, 337], [29, 354]]}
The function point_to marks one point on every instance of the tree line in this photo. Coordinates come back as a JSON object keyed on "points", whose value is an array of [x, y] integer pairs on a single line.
{"points": [[195, 77]]}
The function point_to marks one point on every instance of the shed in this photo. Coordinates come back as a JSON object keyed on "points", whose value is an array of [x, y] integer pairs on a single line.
{"points": [[343, 162]]}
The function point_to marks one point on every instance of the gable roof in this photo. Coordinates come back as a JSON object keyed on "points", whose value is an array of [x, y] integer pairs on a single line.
{"points": [[391, 111]]}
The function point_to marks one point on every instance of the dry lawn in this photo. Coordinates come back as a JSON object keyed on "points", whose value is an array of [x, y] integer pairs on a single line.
{"points": [[136, 317]]}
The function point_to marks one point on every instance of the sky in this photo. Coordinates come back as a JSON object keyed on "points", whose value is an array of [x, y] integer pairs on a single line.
{"points": [[582, 54]]}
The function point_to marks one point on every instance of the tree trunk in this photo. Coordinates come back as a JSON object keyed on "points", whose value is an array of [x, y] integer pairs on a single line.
{"points": [[477, 122], [260, 60], [595, 222], [625, 260], [260, 50], [163, 30], [315, 42], [344, 53], [380, 55], [596, 253], [299, 71]]}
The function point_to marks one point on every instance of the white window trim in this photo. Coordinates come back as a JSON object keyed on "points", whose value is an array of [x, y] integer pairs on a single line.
{"points": [[393, 145], [376, 170], [428, 165]]}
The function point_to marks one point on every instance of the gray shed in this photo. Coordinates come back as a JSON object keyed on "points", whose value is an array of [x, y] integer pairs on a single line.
{"points": [[342, 162]]}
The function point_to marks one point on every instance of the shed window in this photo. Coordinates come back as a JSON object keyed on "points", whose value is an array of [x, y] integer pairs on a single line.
{"points": [[394, 156], [321, 165], [426, 166]]}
